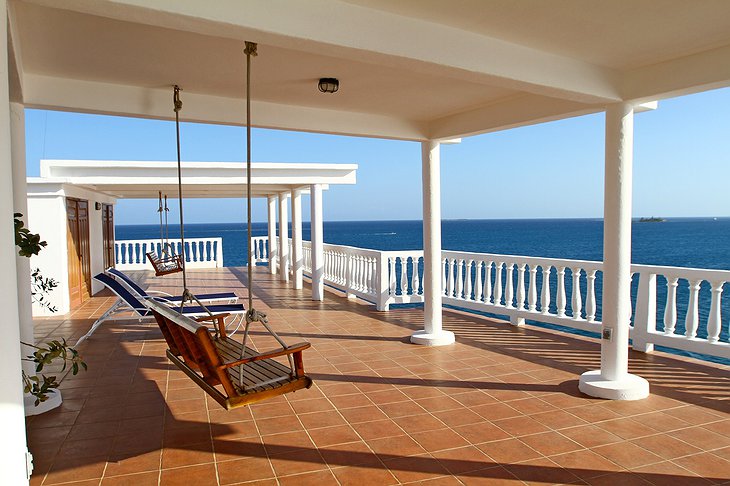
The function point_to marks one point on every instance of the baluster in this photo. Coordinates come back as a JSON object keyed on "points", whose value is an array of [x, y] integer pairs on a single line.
{"points": [[545, 298], [488, 282], [714, 320], [391, 276], [670, 309], [467, 279], [577, 302], [521, 286], [400, 277], [691, 322], [509, 291], [363, 273], [532, 293], [450, 278], [591, 295], [444, 275], [459, 278], [370, 288], [497, 296], [358, 272], [478, 281], [561, 291], [414, 280]]}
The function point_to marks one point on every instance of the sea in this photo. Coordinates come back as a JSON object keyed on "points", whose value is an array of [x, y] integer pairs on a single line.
{"points": [[681, 242]]}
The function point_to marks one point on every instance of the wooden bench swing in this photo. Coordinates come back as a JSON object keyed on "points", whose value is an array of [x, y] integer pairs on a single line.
{"points": [[211, 358], [168, 262], [245, 375]]}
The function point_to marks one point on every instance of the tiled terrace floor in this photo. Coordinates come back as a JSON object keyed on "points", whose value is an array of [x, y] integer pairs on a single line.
{"points": [[500, 406]]}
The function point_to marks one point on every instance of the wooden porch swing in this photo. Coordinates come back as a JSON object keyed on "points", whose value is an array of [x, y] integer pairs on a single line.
{"points": [[211, 358], [167, 261]]}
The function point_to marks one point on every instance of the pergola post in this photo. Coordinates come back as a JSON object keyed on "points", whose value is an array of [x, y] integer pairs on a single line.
{"points": [[283, 238], [613, 380], [433, 333], [13, 452], [296, 238], [273, 252], [317, 242]]}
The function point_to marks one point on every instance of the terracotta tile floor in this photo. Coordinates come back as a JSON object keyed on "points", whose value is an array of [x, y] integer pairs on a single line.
{"points": [[500, 406]]}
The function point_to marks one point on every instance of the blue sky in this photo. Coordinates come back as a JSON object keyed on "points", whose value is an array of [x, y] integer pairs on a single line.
{"points": [[552, 170]]}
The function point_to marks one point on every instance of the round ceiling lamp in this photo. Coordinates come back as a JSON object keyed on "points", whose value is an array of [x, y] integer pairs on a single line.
{"points": [[328, 85]]}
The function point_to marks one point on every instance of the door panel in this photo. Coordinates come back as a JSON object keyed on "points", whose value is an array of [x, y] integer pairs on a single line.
{"points": [[107, 215], [79, 252]]}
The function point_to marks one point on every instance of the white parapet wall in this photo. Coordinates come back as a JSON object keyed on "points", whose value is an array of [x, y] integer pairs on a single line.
{"points": [[47, 217]]}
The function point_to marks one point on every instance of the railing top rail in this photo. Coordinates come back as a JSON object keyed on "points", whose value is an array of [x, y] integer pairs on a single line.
{"points": [[684, 272], [556, 262], [175, 240]]}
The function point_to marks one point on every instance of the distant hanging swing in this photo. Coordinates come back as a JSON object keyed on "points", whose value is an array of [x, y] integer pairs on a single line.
{"points": [[167, 261], [213, 359]]}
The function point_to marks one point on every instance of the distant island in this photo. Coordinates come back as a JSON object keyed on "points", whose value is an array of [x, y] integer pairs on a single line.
{"points": [[653, 219]]}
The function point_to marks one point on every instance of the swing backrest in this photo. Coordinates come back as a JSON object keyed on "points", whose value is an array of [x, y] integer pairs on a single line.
{"points": [[191, 341]]}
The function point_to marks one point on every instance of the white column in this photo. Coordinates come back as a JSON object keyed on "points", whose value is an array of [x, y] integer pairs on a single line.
{"points": [[283, 238], [13, 447], [317, 242], [22, 264], [296, 238], [613, 381], [432, 334], [273, 253]]}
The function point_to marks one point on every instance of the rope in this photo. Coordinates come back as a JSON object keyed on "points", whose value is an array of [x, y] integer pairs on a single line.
{"points": [[252, 315], [162, 235], [187, 296]]}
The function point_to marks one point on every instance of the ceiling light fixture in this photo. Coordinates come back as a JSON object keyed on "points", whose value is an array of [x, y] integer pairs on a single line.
{"points": [[328, 85]]}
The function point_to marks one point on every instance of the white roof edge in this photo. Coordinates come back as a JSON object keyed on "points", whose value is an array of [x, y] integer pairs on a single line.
{"points": [[162, 163]]}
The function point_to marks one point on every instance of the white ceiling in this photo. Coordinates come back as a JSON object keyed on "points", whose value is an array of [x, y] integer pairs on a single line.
{"points": [[409, 69], [620, 34]]}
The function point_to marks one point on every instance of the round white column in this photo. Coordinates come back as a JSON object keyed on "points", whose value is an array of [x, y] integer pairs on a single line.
{"points": [[22, 264], [296, 238], [13, 448], [273, 254], [613, 380], [283, 239], [432, 334], [317, 242]]}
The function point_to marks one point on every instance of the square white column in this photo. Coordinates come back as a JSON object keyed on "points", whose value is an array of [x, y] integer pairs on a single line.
{"points": [[12, 411], [283, 238], [317, 243], [273, 251], [296, 238]]}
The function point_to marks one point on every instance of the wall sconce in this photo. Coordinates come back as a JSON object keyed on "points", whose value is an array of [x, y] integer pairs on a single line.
{"points": [[328, 85], [97, 206]]}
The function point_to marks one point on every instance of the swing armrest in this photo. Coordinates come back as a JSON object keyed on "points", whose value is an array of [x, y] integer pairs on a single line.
{"points": [[293, 349], [220, 319]]}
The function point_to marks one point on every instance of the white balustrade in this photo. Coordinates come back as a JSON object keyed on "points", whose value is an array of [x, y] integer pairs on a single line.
{"points": [[259, 251], [199, 253], [486, 282]]}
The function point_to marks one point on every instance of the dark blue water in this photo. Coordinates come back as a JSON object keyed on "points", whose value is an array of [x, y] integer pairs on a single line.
{"points": [[681, 242]]}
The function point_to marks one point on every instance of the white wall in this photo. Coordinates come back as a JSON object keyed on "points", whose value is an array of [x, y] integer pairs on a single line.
{"points": [[47, 217]]}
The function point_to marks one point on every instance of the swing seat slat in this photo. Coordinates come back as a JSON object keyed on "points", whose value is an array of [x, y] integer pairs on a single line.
{"points": [[233, 375]]}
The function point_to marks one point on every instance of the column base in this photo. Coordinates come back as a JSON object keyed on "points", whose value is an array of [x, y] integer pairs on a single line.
{"points": [[630, 387], [440, 338], [54, 401]]}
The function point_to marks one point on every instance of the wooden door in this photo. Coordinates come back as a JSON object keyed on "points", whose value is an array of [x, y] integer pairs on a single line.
{"points": [[107, 218], [79, 258]]}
